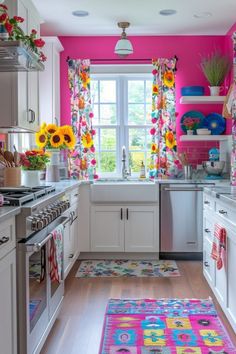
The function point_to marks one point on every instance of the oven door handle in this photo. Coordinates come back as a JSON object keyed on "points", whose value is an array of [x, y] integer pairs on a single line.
{"points": [[35, 247]]}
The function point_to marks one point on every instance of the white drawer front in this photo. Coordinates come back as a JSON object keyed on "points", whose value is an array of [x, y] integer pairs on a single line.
{"points": [[7, 236], [226, 213], [208, 202]]}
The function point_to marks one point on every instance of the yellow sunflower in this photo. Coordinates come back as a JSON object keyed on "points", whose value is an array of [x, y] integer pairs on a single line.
{"points": [[41, 139], [87, 140], [169, 78], [43, 126], [56, 139], [170, 140], [51, 128], [69, 137]]}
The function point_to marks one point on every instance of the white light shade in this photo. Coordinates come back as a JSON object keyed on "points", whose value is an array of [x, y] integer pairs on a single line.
{"points": [[123, 47]]}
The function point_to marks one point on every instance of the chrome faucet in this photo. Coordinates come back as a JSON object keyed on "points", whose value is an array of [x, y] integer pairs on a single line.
{"points": [[125, 172]]}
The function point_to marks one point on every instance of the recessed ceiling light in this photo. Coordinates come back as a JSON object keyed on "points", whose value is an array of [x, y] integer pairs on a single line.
{"points": [[80, 13], [202, 14], [167, 12]]}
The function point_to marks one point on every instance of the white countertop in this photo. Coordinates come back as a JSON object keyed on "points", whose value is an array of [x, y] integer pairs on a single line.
{"points": [[226, 194], [8, 211]]}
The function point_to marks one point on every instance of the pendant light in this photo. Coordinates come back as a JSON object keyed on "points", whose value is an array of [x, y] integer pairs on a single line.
{"points": [[123, 47]]}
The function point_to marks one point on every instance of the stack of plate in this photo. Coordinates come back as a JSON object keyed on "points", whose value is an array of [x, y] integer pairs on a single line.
{"points": [[203, 131]]}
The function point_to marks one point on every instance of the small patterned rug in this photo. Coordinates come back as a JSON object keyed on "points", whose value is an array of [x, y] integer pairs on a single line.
{"points": [[164, 326], [127, 268]]}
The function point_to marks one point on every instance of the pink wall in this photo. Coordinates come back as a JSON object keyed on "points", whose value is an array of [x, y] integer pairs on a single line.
{"points": [[187, 48]]}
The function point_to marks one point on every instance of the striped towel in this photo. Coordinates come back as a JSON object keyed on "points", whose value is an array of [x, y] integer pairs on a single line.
{"points": [[218, 251], [56, 254]]}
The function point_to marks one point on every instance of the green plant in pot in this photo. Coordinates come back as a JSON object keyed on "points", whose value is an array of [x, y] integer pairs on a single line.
{"points": [[215, 67]]}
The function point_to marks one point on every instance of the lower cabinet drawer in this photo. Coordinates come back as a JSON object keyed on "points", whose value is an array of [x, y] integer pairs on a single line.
{"points": [[226, 213], [7, 236], [208, 263]]}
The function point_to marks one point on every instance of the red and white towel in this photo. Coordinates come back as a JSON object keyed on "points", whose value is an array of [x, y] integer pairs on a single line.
{"points": [[218, 251], [56, 254]]}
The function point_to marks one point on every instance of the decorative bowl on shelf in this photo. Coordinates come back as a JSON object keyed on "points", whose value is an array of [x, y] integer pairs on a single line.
{"points": [[213, 168], [192, 91], [203, 131]]}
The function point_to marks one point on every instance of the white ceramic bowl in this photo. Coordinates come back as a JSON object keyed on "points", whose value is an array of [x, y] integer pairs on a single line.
{"points": [[203, 131]]}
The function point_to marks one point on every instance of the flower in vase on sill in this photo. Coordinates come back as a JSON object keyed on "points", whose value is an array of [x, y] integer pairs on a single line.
{"points": [[34, 160], [50, 136], [190, 123]]}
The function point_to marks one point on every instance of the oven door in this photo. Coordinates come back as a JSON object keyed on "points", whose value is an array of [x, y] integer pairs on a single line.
{"points": [[39, 296]]}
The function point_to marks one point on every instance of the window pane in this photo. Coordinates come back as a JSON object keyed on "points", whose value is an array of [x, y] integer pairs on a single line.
{"points": [[136, 91], [148, 91], [108, 162], [135, 160], [108, 139], [136, 139], [95, 113], [108, 91], [136, 114], [94, 91], [107, 114]]}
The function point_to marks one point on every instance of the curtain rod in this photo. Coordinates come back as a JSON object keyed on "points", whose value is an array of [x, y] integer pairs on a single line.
{"points": [[120, 59]]}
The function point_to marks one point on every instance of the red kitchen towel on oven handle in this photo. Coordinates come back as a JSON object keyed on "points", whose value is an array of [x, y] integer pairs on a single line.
{"points": [[218, 251], [56, 254]]}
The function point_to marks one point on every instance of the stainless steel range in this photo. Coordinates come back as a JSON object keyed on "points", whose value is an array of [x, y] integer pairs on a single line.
{"points": [[39, 298]]}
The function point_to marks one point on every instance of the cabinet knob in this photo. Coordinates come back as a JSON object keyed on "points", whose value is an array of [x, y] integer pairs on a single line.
{"points": [[221, 211], [4, 239], [206, 264], [207, 230]]}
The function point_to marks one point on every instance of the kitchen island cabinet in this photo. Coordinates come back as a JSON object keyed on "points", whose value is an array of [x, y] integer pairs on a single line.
{"points": [[222, 282]]}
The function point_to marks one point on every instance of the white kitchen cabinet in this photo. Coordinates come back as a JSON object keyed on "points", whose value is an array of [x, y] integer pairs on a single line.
{"points": [[49, 82], [71, 232], [119, 228], [222, 282], [20, 98], [8, 334]]}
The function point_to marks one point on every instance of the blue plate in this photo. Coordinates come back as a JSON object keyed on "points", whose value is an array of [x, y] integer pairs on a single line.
{"points": [[215, 122], [194, 115]]}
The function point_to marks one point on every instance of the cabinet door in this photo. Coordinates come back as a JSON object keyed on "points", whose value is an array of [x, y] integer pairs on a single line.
{"points": [[231, 260], [8, 337], [107, 228], [74, 245], [208, 263], [141, 233], [67, 249]]}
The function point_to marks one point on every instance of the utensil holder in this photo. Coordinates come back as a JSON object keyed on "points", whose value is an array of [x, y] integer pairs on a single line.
{"points": [[188, 171], [12, 177]]}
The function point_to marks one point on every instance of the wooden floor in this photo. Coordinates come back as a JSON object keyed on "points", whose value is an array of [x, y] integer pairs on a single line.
{"points": [[79, 326]]}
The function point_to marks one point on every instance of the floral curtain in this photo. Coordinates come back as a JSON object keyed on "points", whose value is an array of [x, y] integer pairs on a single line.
{"points": [[163, 132], [83, 162]]}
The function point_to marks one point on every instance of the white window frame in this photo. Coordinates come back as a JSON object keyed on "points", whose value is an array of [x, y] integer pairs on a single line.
{"points": [[123, 73]]}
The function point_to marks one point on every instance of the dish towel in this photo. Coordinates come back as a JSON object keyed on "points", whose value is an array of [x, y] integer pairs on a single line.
{"points": [[218, 251], [56, 254]]}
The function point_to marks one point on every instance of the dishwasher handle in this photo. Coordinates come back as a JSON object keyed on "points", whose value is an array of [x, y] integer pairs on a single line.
{"points": [[196, 189]]}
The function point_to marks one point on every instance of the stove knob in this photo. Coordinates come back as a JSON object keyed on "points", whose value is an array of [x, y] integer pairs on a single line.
{"points": [[34, 226], [40, 224]]}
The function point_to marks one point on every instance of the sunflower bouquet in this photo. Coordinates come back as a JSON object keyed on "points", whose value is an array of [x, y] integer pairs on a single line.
{"points": [[50, 136]]}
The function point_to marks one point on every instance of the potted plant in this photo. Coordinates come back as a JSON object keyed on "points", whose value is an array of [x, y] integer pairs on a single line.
{"points": [[215, 67], [190, 124], [32, 162]]}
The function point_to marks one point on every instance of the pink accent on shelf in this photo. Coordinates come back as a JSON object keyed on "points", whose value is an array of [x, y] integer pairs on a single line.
{"points": [[188, 50]]}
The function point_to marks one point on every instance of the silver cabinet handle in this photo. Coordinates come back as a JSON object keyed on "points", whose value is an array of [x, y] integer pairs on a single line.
{"points": [[206, 264], [71, 256], [4, 239], [127, 214], [183, 189], [32, 114], [221, 211], [206, 202], [121, 214], [207, 231], [191, 243]]}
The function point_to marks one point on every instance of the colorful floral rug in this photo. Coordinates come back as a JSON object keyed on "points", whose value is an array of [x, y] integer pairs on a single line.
{"points": [[127, 268], [164, 326]]}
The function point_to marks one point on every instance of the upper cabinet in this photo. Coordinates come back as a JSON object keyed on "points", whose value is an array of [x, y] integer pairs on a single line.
{"points": [[20, 91], [49, 82]]}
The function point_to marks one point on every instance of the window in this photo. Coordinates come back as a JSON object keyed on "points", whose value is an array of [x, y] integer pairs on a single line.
{"points": [[122, 116]]}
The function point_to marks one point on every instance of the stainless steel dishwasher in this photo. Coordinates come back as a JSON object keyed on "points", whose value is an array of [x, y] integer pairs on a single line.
{"points": [[181, 220]]}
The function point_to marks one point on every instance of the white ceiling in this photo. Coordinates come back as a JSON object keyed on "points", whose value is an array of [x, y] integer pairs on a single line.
{"points": [[143, 16]]}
